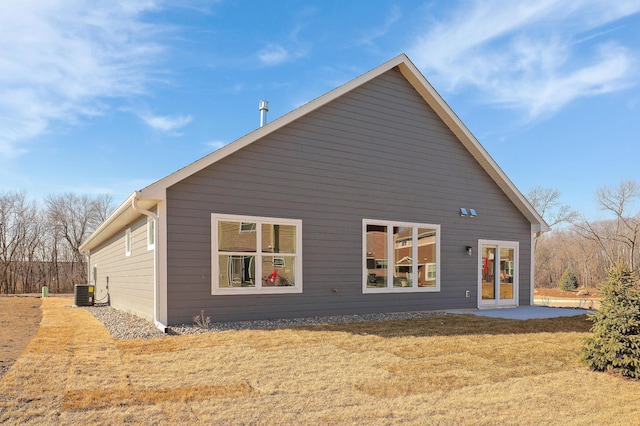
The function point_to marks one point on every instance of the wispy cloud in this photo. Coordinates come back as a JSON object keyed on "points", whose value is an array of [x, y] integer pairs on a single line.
{"points": [[216, 144], [533, 56], [169, 124], [63, 60], [289, 49], [273, 54], [376, 32]]}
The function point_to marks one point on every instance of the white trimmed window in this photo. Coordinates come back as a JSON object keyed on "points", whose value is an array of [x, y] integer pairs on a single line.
{"points": [[151, 234], [255, 255], [127, 242], [400, 257]]}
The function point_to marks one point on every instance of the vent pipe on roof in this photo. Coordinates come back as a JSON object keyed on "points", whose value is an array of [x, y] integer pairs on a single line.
{"points": [[264, 107]]}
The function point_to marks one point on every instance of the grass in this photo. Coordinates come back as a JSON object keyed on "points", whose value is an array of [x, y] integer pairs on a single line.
{"points": [[458, 369]]}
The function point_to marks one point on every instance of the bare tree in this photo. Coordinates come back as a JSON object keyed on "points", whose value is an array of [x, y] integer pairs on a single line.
{"points": [[551, 257], [546, 201], [619, 200], [619, 237], [19, 239], [73, 218], [41, 246]]}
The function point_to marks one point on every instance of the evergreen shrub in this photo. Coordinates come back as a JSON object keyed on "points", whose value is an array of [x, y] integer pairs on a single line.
{"points": [[615, 344], [568, 281]]}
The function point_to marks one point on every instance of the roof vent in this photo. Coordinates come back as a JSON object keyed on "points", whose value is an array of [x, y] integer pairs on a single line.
{"points": [[264, 108]]}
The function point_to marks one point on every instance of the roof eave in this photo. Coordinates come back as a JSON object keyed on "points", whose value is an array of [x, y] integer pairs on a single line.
{"points": [[123, 215]]}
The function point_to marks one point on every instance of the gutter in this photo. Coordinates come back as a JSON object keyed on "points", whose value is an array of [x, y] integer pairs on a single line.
{"points": [[134, 204]]}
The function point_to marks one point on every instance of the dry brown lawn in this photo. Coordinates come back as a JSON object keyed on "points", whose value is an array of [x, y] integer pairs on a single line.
{"points": [[554, 293], [19, 321], [458, 369]]}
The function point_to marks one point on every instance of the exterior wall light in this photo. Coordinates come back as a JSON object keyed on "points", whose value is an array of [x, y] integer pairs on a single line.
{"points": [[472, 212], [463, 211], [469, 250]]}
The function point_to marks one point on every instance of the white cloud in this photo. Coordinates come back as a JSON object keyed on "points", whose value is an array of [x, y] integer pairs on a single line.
{"points": [[533, 56], [166, 123], [216, 144], [61, 59], [276, 53], [273, 54]]}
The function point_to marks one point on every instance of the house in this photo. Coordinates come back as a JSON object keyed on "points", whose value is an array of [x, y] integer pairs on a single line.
{"points": [[374, 197]]}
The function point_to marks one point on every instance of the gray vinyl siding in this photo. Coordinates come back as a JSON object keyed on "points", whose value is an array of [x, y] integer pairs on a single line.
{"points": [[130, 278], [378, 152]]}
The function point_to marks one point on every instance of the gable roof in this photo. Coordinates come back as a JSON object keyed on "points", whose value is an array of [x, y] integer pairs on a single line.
{"points": [[157, 190]]}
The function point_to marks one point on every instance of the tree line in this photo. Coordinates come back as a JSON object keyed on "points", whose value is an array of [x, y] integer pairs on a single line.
{"points": [[39, 242], [587, 248]]}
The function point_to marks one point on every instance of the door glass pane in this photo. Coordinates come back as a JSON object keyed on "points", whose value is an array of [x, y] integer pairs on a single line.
{"points": [[376, 256], [403, 263], [426, 257], [506, 272], [488, 273], [236, 236]]}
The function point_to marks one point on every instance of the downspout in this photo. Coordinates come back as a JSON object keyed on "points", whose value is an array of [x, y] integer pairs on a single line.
{"points": [[87, 256], [534, 237], [152, 215]]}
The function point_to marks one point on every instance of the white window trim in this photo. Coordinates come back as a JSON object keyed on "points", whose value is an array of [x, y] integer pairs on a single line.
{"points": [[128, 242], [414, 281], [258, 289], [151, 233]]}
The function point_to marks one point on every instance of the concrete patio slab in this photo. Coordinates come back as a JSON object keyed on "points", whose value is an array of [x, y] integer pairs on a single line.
{"points": [[524, 312]]}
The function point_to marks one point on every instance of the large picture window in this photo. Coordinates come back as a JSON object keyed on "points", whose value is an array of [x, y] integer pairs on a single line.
{"points": [[400, 257], [253, 255]]}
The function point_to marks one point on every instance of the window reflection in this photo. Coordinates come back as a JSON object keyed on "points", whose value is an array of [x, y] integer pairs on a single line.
{"points": [[488, 273], [376, 256], [233, 236], [413, 253], [402, 250], [506, 273]]}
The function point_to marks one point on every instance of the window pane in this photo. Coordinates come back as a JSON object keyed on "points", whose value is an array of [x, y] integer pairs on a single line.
{"points": [[403, 262], [247, 227], [426, 257], [488, 273], [231, 237], [278, 238], [278, 271], [506, 272], [376, 256], [151, 232], [128, 241], [237, 271]]}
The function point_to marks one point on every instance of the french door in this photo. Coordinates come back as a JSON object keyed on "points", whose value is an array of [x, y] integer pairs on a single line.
{"points": [[498, 273]]}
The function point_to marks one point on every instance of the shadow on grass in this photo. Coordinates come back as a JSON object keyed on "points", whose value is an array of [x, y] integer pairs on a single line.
{"points": [[457, 325]]}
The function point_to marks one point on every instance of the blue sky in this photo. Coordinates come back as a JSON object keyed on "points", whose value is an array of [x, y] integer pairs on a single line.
{"points": [[110, 96]]}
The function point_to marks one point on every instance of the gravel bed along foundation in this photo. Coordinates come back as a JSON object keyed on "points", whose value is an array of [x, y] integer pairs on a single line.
{"points": [[124, 326]]}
